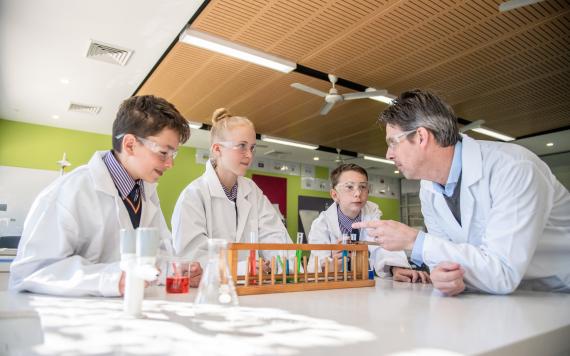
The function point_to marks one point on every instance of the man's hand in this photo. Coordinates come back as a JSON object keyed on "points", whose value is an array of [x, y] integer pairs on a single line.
{"points": [[195, 274], [447, 277], [390, 235], [409, 275]]}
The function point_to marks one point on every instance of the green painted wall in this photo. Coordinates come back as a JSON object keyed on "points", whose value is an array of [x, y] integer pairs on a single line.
{"points": [[321, 172], [176, 179], [40, 147]]}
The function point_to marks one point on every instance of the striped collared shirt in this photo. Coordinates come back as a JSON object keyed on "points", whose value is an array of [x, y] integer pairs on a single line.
{"points": [[123, 181], [231, 193], [344, 222]]}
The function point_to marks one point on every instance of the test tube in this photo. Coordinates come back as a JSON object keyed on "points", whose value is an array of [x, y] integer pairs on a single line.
{"points": [[345, 239], [273, 270], [299, 253], [317, 269], [252, 258], [353, 238], [284, 268], [296, 270], [335, 266], [353, 266], [305, 269], [260, 264]]}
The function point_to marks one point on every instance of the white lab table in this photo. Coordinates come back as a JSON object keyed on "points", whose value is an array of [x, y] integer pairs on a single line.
{"points": [[392, 318], [4, 276]]}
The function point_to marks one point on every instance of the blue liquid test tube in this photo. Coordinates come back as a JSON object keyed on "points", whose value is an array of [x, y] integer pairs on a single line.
{"points": [[344, 252], [299, 253]]}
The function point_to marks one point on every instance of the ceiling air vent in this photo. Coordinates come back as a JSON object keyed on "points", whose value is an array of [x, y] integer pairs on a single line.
{"points": [[86, 109], [108, 53], [276, 153]]}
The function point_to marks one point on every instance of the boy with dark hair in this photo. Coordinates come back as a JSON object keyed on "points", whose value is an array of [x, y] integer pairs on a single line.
{"points": [[70, 242], [350, 194]]}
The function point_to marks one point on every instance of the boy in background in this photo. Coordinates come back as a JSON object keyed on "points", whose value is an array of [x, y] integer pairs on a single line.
{"points": [[350, 194]]}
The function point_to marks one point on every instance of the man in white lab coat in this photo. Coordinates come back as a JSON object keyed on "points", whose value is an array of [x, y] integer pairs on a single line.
{"points": [[496, 216], [349, 191], [70, 241]]}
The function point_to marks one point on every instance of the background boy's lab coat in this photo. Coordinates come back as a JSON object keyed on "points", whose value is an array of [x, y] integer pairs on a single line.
{"points": [[325, 230]]}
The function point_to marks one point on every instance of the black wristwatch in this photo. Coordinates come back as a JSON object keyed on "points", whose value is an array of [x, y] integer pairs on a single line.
{"points": [[415, 267]]}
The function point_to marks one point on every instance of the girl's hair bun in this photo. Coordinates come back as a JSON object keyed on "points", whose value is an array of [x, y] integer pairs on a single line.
{"points": [[220, 114]]}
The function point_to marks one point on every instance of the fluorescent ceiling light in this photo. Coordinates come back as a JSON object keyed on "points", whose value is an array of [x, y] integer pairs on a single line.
{"points": [[289, 142], [514, 4], [388, 98], [471, 126], [195, 125], [492, 133], [371, 158], [228, 48], [550, 144]]}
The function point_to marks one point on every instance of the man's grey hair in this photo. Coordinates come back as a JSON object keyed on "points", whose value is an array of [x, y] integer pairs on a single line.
{"points": [[418, 108]]}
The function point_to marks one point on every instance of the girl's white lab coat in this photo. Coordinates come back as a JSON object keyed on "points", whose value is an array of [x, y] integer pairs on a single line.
{"points": [[203, 211], [515, 221], [325, 230], [70, 241]]}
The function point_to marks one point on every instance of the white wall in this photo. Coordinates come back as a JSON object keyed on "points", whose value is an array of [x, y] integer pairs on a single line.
{"points": [[18, 189], [410, 186], [560, 165]]}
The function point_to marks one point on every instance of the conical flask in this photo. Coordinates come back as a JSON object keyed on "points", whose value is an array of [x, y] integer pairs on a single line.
{"points": [[216, 286]]}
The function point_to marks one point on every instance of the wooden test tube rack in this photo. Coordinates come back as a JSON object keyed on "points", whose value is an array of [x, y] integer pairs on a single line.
{"points": [[297, 280]]}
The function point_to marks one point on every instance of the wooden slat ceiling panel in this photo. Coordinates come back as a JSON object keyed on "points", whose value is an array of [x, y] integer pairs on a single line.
{"points": [[387, 60], [524, 104], [434, 56], [484, 65], [348, 117], [176, 69], [511, 69], [467, 83], [552, 85], [545, 118], [371, 141]]}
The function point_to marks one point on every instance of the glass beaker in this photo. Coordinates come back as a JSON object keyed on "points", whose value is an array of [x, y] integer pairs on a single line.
{"points": [[177, 275], [216, 286]]}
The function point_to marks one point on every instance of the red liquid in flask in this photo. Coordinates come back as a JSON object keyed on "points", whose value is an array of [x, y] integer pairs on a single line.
{"points": [[177, 284]]}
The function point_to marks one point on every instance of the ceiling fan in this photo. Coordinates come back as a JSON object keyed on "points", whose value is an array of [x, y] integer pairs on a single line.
{"points": [[340, 160], [333, 97]]}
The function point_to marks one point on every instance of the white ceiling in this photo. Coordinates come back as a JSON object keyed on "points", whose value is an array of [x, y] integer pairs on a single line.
{"points": [[537, 144], [44, 42]]}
